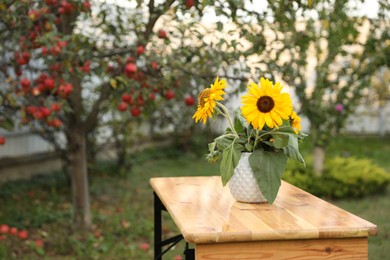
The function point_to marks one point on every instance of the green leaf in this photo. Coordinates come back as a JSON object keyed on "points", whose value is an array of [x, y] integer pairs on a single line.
{"points": [[281, 136], [223, 142], [280, 141], [249, 147], [292, 150], [212, 147], [7, 124], [240, 122], [230, 158], [113, 83], [268, 168]]}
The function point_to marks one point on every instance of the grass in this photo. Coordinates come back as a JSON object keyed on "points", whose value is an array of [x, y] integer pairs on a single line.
{"points": [[122, 207]]}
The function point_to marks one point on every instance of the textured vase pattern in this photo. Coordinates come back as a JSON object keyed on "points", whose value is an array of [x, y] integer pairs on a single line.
{"points": [[243, 185]]}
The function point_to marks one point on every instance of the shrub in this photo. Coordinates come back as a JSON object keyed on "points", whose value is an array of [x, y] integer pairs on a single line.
{"points": [[342, 177]]}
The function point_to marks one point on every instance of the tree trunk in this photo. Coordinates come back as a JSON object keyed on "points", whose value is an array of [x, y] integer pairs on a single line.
{"points": [[79, 175], [318, 160]]}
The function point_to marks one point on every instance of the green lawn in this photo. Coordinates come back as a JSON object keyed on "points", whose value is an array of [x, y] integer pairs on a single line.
{"points": [[123, 208]]}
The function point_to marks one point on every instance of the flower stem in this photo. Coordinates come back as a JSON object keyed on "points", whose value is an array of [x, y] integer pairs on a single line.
{"points": [[226, 114], [273, 130], [256, 139]]}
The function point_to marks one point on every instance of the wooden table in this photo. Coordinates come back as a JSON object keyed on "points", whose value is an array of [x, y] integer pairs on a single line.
{"points": [[297, 226]]}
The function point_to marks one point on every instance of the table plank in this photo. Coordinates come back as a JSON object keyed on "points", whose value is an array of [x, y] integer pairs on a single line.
{"points": [[205, 212], [306, 249]]}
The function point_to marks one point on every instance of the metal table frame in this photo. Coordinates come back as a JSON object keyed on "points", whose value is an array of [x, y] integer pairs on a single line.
{"points": [[189, 253]]}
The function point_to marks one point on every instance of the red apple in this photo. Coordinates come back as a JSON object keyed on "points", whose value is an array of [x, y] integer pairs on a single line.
{"points": [[25, 83], [129, 60], [130, 69], [57, 20], [64, 90], [140, 50], [23, 234], [31, 109], [45, 111], [55, 50], [13, 231], [38, 115], [49, 83], [126, 97], [154, 65], [169, 94], [18, 72], [86, 6], [51, 2], [86, 67], [22, 59], [38, 243], [66, 8], [2, 140], [44, 50], [189, 100], [33, 15], [62, 44], [122, 106], [33, 36], [55, 107], [41, 78], [152, 96], [26, 55], [41, 88], [4, 229], [162, 34], [144, 246], [189, 3], [56, 67], [57, 122], [140, 100], [135, 111]]}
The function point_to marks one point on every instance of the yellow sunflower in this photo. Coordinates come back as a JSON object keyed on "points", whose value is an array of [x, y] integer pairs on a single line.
{"points": [[295, 122], [265, 104], [207, 100]]}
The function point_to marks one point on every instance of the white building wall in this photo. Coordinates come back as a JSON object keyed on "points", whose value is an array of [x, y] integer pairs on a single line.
{"points": [[22, 143], [365, 121]]}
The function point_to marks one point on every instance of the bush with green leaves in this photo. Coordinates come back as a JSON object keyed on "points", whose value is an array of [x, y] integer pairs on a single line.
{"points": [[342, 177]]}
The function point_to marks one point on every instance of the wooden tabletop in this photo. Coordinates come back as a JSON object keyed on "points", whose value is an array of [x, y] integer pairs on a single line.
{"points": [[206, 212]]}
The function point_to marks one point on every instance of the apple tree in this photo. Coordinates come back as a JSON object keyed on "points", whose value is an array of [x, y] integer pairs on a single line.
{"points": [[66, 64]]}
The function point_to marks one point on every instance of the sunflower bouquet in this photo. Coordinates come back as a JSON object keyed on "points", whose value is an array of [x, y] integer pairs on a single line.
{"points": [[265, 126]]}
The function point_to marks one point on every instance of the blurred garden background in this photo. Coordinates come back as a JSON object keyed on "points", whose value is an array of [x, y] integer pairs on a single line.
{"points": [[97, 97]]}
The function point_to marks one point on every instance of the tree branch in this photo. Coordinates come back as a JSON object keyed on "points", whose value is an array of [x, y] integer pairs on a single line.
{"points": [[154, 16], [96, 108]]}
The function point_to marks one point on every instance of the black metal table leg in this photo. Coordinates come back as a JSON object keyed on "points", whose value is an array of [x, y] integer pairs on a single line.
{"points": [[158, 207], [189, 253], [158, 242]]}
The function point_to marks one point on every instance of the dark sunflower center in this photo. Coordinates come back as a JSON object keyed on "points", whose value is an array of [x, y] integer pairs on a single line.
{"points": [[202, 96], [265, 104]]}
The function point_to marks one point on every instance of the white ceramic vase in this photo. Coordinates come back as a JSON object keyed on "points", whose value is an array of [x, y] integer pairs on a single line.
{"points": [[243, 185]]}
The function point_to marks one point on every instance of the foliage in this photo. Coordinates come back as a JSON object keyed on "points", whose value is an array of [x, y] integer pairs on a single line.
{"points": [[342, 178], [329, 53]]}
